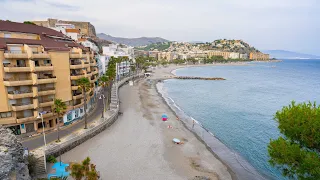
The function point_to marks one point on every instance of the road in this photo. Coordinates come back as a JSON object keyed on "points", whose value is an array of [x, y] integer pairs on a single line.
{"points": [[37, 141]]}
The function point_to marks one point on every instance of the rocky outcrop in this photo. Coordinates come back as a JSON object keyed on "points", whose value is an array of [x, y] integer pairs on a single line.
{"points": [[199, 78], [13, 165]]}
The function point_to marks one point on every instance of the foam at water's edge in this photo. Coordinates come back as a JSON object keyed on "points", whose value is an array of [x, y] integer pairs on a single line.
{"points": [[241, 168]]}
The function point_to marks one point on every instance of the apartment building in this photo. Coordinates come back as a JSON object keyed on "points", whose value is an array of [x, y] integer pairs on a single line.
{"points": [[225, 55], [234, 55], [259, 56], [38, 65]]}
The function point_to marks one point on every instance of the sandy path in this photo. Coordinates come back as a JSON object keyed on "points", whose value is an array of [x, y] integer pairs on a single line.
{"points": [[138, 145]]}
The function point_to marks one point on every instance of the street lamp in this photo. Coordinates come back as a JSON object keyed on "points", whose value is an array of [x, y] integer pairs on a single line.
{"points": [[103, 110], [45, 143]]}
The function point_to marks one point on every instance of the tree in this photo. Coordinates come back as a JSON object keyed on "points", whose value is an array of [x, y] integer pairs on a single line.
{"points": [[297, 152], [84, 85], [84, 170], [104, 82], [59, 108], [29, 22]]}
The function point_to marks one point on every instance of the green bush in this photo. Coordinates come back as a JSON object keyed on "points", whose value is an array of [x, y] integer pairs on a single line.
{"points": [[32, 161], [51, 159]]}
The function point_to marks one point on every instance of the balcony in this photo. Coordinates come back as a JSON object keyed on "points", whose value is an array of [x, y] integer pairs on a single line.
{"points": [[15, 54], [75, 64], [75, 55], [89, 74], [46, 91], [85, 64], [93, 79], [48, 114], [47, 67], [16, 68], [22, 119], [16, 94], [21, 106], [46, 79], [77, 96], [17, 81], [40, 55], [46, 103], [77, 76], [93, 63], [95, 72]]}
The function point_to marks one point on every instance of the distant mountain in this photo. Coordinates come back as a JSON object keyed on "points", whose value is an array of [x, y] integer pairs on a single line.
{"points": [[282, 54], [142, 41]]}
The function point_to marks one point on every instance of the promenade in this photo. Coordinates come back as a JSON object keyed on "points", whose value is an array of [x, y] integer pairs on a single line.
{"points": [[37, 141]]}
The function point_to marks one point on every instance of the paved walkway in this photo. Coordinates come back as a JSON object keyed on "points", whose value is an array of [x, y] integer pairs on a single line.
{"points": [[37, 141]]}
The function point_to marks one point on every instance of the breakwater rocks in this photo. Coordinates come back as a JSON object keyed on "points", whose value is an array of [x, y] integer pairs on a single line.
{"points": [[200, 78]]}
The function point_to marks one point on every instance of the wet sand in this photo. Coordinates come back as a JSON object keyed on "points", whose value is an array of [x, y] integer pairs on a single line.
{"points": [[139, 144]]}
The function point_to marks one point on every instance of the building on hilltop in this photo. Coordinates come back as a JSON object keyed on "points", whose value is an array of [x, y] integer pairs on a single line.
{"points": [[38, 65], [86, 28]]}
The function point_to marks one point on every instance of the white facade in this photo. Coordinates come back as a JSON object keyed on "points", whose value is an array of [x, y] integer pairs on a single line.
{"points": [[116, 50], [234, 55], [90, 45], [103, 60], [243, 56]]}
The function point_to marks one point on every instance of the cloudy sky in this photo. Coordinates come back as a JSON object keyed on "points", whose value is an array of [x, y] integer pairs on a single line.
{"points": [[266, 24]]}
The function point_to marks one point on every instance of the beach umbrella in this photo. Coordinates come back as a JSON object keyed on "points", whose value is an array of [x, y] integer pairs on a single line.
{"points": [[164, 116], [176, 140]]}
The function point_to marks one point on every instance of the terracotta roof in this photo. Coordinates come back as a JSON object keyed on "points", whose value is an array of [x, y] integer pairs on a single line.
{"points": [[73, 30], [50, 39]]}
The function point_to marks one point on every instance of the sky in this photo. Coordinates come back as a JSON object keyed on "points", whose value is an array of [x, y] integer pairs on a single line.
{"points": [[265, 24]]}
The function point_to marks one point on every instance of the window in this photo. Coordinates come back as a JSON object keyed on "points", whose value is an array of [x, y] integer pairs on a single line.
{"points": [[47, 61], [7, 35], [5, 114]]}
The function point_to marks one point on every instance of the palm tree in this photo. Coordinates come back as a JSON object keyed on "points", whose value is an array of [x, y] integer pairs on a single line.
{"points": [[59, 108], [84, 85], [103, 82], [84, 170]]}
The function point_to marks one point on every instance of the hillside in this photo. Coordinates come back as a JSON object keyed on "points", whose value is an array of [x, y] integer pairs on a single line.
{"points": [[142, 41], [217, 45], [282, 54]]}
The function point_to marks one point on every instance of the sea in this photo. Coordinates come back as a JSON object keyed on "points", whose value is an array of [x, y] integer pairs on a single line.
{"points": [[239, 112]]}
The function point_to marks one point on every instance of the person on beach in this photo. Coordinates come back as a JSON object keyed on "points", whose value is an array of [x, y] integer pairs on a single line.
{"points": [[193, 122]]}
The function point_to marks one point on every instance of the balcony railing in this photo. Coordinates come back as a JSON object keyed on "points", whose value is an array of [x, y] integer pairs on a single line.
{"points": [[17, 81], [46, 79], [40, 55], [15, 54], [75, 76], [21, 106], [17, 94], [46, 91], [22, 119], [46, 67], [45, 103]]}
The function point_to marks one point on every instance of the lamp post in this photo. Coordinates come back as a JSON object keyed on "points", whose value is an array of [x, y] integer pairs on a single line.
{"points": [[45, 143], [103, 110]]}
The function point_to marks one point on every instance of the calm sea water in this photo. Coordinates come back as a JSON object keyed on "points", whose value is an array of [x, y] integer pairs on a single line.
{"points": [[240, 110]]}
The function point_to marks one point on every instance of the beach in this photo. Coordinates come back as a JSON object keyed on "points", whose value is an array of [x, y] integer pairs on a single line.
{"points": [[139, 144]]}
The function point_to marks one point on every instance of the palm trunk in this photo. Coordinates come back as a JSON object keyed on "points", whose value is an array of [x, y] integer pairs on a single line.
{"points": [[85, 109], [58, 132]]}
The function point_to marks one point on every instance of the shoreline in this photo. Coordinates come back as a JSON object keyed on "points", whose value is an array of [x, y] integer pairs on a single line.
{"points": [[243, 165]]}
